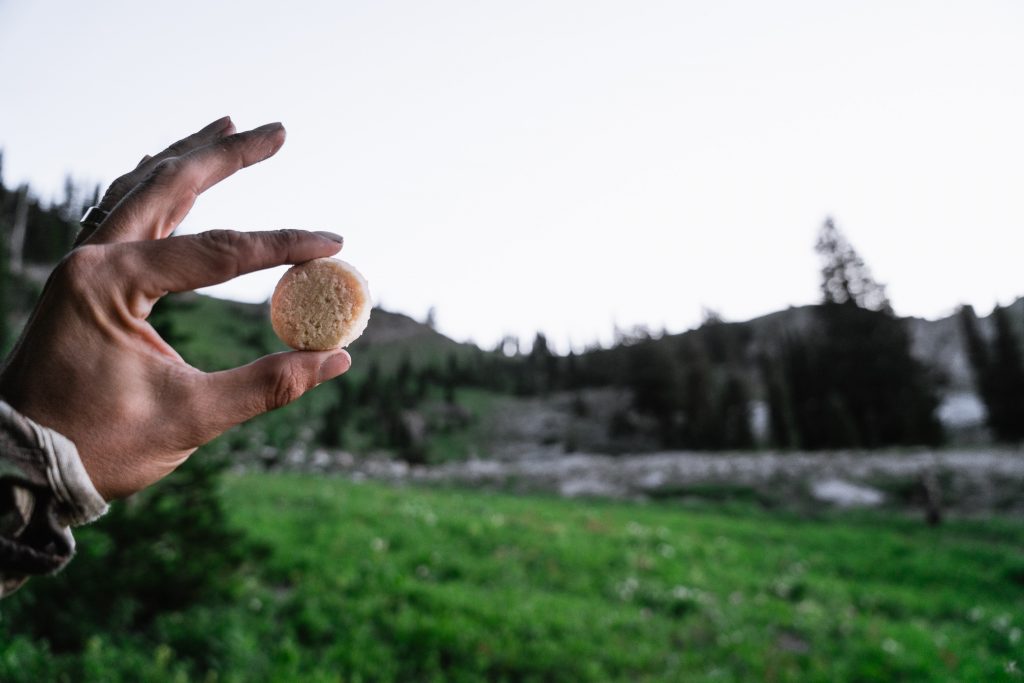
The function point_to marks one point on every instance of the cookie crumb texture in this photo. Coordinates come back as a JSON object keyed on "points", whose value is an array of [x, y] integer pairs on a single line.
{"points": [[320, 305]]}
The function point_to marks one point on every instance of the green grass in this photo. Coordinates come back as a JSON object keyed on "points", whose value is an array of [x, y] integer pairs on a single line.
{"points": [[362, 582]]}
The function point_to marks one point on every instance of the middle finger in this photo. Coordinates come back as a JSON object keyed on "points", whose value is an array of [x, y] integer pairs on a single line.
{"points": [[124, 184], [155, 207]]}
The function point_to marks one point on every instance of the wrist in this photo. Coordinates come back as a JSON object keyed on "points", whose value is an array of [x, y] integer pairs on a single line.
{"points": [[57, 458]]}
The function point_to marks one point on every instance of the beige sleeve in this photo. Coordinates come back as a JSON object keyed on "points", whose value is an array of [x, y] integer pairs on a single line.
{"points": [[44, 490]]}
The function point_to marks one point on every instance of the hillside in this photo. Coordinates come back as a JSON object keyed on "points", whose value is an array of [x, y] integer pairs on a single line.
{"points": [[941, 343], [938, 343], [234, 333]]}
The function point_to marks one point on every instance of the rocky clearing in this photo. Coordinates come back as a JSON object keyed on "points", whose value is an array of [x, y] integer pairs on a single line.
{"points": [[963, 481]]}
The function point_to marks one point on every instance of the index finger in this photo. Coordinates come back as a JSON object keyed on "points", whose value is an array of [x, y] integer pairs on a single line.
{"points": [[155, 207], [187, 262]]}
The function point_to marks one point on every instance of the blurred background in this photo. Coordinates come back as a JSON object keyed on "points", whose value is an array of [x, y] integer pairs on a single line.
{"points": [[698, 351]]}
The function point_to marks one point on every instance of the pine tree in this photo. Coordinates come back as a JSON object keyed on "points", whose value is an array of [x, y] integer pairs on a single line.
{"points": [[779, 371], [542, 365], [571, 372], [845, 278], [998, 372], [4, 289], [978, 355], [734, 415], [855, 382], [977, 349], [336, 417], [656, 379], [452, 377], [5, 277], [701, 427], [404, 382], [369, 389], [1006, 381]]}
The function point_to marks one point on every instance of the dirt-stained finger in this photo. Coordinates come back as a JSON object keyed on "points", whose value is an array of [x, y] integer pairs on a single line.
{"points": [[124, 184], [187, 262], [158, 203]]}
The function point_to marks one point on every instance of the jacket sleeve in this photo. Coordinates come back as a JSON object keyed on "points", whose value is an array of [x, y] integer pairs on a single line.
{"points": [[44, 490]]}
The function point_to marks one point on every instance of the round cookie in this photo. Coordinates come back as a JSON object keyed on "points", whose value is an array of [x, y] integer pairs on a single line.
{"points": [[320, 305]]}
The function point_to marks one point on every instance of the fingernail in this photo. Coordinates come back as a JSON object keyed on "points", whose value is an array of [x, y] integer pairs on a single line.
{"points": [[269, 127], [334, 366], [331, 236]]}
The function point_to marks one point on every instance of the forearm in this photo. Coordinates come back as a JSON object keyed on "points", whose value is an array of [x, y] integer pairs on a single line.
{"points": [[44, 490]]}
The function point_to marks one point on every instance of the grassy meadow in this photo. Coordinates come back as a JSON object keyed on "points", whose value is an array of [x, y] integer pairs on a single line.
{"points": [[362, 582]]}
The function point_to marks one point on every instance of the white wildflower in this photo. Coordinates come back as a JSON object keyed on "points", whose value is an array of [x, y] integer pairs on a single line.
{"points": [[683, 593], [628, 587], [891, 646], [636, 529]]}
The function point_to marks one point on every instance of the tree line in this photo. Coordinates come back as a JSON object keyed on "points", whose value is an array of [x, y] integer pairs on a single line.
{"points": [[847, 378]]}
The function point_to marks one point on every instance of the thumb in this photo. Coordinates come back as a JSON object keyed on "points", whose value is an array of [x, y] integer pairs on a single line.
{"points": [[271, 382]]}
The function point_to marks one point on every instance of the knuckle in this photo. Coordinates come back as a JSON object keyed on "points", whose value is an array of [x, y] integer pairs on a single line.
{"points": [[121, 186], [288, 237], [78, 269], [225, 247], [225, 241], [288, 384], [168, 169]]}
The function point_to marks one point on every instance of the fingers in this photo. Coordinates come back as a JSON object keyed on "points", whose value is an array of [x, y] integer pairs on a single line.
{"points": [[162, 199], [123, 185], [188, 262], [233, 396]]}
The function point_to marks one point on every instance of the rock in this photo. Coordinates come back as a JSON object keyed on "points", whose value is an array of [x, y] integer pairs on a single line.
{"points": [[846, 494]]}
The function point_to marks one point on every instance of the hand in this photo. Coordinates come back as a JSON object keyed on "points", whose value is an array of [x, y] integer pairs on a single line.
{"points": [[89, 365]]}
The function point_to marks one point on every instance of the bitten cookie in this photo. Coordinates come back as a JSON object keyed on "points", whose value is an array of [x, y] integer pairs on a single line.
{"points": [[320, 305]]}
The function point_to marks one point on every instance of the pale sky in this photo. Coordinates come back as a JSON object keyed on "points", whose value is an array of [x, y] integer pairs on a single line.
{"points": [[562, 165]]}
